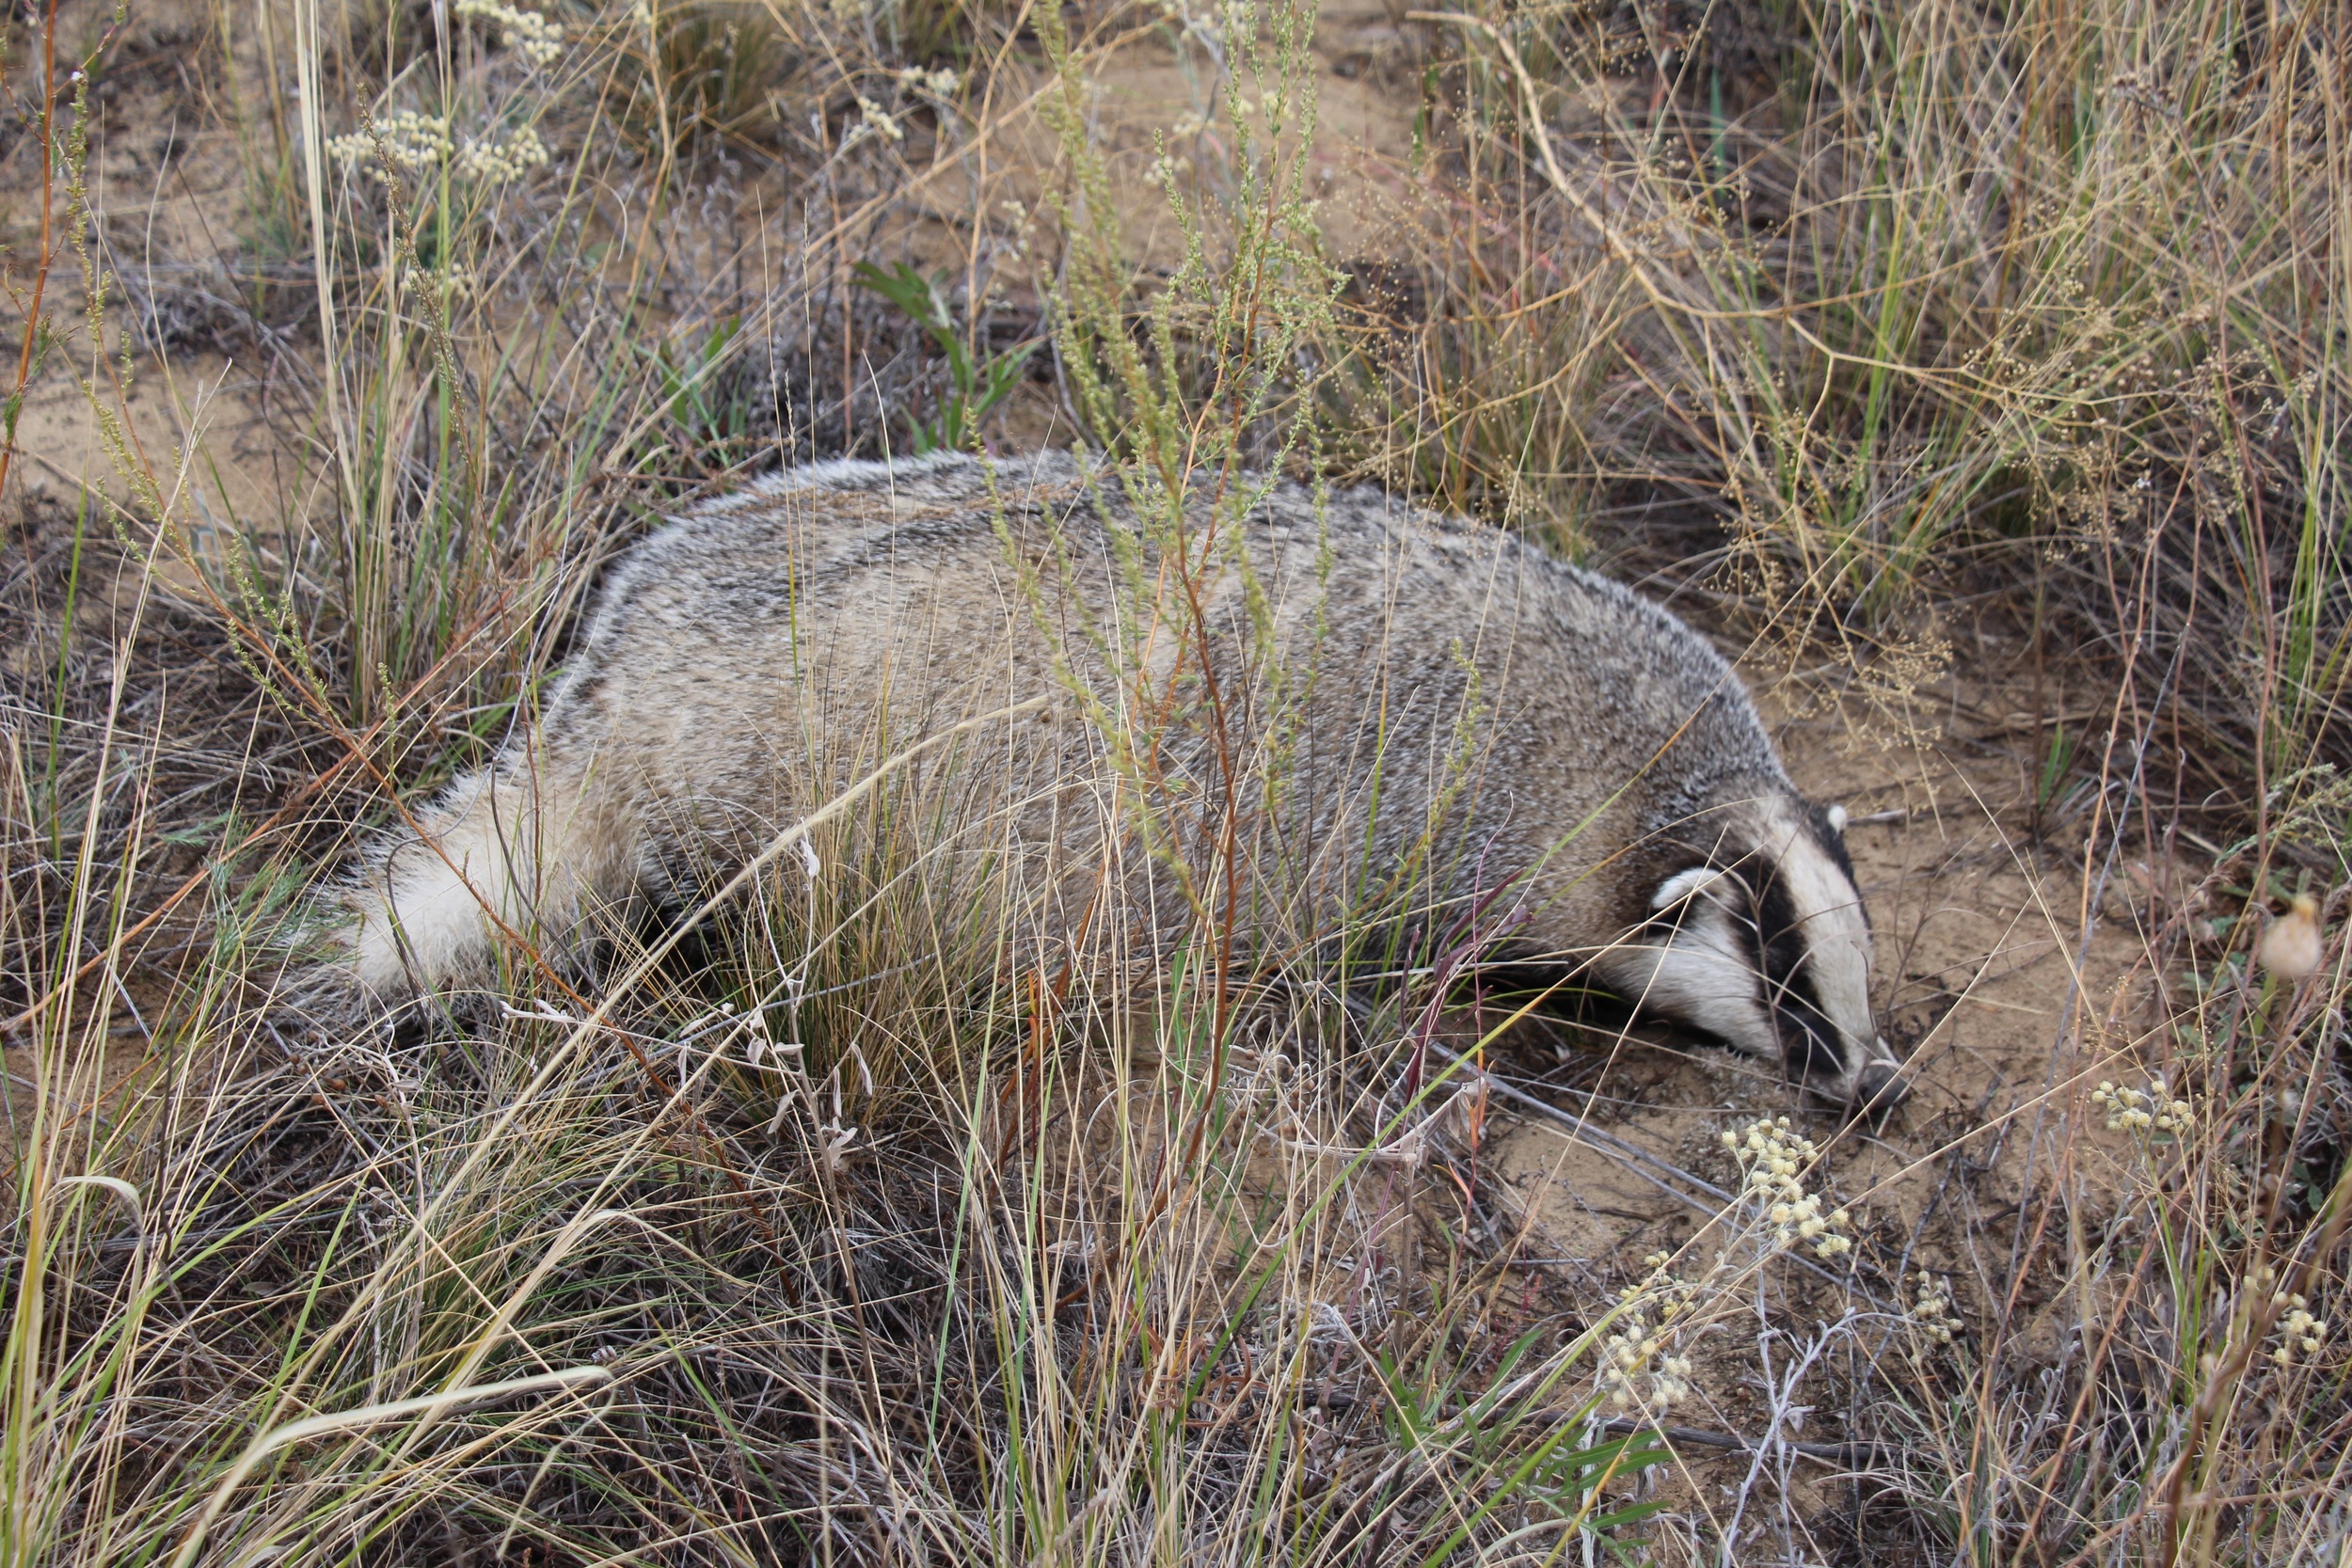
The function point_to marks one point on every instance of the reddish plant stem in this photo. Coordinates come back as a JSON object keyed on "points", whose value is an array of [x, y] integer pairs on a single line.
{"points": [[41, 270]]}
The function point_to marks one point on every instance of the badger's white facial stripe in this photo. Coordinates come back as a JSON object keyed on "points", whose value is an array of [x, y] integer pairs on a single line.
{"points": [[1824, 914], [1769, 954]]}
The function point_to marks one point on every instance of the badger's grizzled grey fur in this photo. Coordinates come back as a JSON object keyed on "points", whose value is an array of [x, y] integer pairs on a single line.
{"points": [[1440, 697]]}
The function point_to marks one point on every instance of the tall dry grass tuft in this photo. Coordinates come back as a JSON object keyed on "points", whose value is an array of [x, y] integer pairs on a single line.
{"points": [[1884, 296]]}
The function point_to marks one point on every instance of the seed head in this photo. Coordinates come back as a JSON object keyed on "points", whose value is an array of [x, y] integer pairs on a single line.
{"points": [[2300, 1335], [2290, 949]]}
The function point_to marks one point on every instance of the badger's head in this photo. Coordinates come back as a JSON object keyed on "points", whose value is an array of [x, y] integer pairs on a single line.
{"points": [[1760, 940]]}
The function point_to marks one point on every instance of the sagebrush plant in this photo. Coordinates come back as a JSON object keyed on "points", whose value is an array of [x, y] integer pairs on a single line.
{"points": [[821, 1232]]}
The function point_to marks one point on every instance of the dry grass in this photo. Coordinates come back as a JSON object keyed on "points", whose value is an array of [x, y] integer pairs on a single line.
{"points": [[1852, 325]]}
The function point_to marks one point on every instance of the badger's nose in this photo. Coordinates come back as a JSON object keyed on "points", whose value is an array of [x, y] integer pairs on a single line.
{"points": [[1877, 1088]]}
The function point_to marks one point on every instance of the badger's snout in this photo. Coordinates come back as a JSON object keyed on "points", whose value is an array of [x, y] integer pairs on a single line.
{"points": [[1879, 1089], [1862, 1075]]}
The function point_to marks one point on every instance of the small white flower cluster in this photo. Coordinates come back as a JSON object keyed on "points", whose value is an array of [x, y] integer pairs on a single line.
{"points": [[2298, 1330], [939, 84], [511, 159], [1931, 1309], [2144, 1112], [460, 283], [418, 141], [1017, 219], [1775, 1159], [640, 14], [873, 120], [529, 34], [1209, 27], [1634, 1370], [410, 139]]}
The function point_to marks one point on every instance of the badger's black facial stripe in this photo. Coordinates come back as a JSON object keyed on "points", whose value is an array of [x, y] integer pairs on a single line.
{"points": [[1808, 1041], [1833, 841]]}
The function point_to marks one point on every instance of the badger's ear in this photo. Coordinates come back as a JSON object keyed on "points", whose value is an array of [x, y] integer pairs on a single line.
{"points": [[1836, 817], [1685, 884]]}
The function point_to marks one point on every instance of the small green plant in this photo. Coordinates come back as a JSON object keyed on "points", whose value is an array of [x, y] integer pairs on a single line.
{"points": [[710, 420], [974, 385], [2057, 767]]}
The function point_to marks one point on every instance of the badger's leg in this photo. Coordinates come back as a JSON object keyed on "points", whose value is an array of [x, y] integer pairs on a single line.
{"points": [[531, 852]]}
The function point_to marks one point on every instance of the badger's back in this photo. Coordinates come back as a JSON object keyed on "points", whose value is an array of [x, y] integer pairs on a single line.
{"points": [[1401, 708], [1432, 707], [1282, 714]]}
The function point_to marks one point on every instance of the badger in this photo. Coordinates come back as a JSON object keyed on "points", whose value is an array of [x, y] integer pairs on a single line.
{"points": [[1215, 698]]}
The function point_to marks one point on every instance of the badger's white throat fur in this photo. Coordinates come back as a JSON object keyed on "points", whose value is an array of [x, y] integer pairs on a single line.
{"points": [[745, 661]]}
